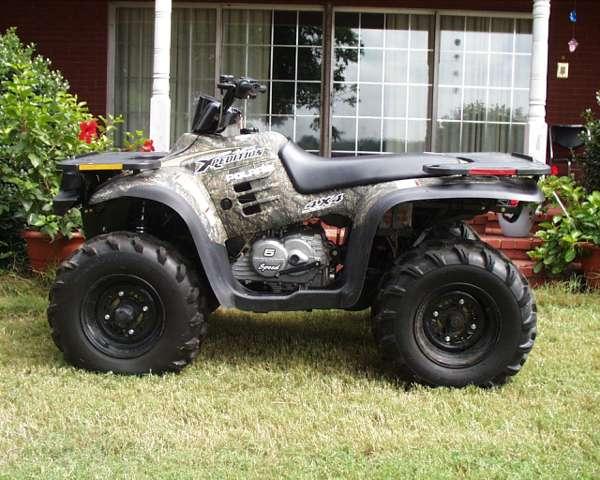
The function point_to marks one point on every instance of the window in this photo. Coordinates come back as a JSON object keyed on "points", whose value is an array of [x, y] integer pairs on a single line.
{"points": [[193, 37], [399, 82], [483, 89], [283, 49], [382, 82]]}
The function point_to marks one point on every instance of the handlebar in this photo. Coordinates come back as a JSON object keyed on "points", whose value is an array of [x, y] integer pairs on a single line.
{"points": [[240, 88]]}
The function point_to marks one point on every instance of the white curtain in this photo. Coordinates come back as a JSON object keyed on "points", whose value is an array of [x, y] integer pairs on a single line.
{"points": [[193, 37]]}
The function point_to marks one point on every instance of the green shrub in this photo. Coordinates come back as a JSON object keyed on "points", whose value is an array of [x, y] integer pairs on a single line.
{"points": [[591, 159], [39, 125], [563, 235]]}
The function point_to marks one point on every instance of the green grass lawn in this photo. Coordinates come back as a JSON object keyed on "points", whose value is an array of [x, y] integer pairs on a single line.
{"points": [[296, 396]]}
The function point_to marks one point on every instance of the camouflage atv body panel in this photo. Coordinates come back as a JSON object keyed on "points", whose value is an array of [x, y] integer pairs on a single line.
{"points": [[237, 187]]}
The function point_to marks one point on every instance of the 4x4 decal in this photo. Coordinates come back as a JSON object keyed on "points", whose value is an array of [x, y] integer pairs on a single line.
{"points": [[323, 203]]}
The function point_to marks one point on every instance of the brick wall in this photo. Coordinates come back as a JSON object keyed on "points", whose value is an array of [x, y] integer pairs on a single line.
{"points": [[73, 33], [568, 98]]}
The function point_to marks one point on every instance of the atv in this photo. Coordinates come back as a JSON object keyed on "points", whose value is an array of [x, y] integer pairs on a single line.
{"points": [[252, 221]]}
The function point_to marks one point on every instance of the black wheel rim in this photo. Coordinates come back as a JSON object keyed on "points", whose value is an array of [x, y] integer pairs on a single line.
{"points": [[122, 316], [457, 325]]}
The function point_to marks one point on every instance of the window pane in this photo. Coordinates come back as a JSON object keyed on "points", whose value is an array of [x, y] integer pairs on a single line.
{"points": [[417, 137], [474, 104], [284, 28], [522, 70], [523, 36], [517, 138], [370, 100], [259, 27], [343, 134], [308, 132], [308, 99], [473, 137], [234, 27], [346, 29], [447, 137], [396, 66], [394, 136], [502, 34], [499, 106], [421, 35], [476, 69], [371, 30], [477, 35], [283, 125], [284, 63], [395, 101], [371, 65], [310, 28], [496, 138], [451, 68], [369, 135], [500, 70], [449, 103], [452, 34], [259, 62], [283, 98], [346, 65], [420, 67], [345, 99], [309, 64], [520, 105], [396, 31], [418, 102]]}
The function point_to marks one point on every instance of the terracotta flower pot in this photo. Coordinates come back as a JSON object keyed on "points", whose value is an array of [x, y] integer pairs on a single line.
{"points": [[590, 264], [43, 252]]}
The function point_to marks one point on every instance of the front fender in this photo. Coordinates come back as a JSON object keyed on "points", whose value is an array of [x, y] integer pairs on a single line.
{"points": [[173, 187]]}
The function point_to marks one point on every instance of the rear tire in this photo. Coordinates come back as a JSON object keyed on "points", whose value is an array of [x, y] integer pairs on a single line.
{"points": [[455, 314], [128, 304]]}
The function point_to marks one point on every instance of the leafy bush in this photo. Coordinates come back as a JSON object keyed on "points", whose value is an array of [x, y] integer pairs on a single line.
{"points": [[564, 234], [591, 159], [39, 125]]}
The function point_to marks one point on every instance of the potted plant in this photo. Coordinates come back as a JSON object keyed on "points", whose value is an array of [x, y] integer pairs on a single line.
{"points": [[40, 123], [587, 218]]}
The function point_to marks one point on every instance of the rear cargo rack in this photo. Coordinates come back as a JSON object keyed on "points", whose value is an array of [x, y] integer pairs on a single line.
{"points": [[493, 164], [113, 161]]}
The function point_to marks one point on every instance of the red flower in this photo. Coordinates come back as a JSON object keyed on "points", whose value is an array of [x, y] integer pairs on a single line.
{"points": [[148, 146], [554, 170], [88, 130]]}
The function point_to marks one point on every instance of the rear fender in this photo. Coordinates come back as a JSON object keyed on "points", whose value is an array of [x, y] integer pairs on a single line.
{"points": [[383, 197]]}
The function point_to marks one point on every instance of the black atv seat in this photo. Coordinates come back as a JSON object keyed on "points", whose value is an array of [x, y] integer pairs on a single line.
{"points": [[312, 174]]}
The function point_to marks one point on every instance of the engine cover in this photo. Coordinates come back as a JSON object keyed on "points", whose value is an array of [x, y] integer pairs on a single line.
{"points": [[270, 259]]}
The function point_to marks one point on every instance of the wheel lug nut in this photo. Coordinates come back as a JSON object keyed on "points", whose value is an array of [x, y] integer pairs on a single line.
{"points": [[461, 301], [121, 294], [131, 331], [107, 317], [447, 339], [436, 314], [145, 308], [473, 326]]}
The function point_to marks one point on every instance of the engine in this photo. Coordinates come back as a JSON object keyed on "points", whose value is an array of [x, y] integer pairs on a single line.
{"points": [[286, 262]]}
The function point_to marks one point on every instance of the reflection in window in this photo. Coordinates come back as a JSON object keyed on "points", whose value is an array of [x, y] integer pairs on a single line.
{"points": [[282, 49], [483, 84], [382, 82]]}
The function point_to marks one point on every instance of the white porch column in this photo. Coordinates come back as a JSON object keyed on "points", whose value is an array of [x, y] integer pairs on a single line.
{"points": [[537, 130], [160, 104]]}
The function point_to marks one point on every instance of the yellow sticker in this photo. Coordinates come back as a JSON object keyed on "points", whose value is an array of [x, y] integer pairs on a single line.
{"points": [[100, 166]]}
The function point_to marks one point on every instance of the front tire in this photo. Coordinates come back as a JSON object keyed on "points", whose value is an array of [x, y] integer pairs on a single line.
{"points": [[128, 304], [455, 314]]}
